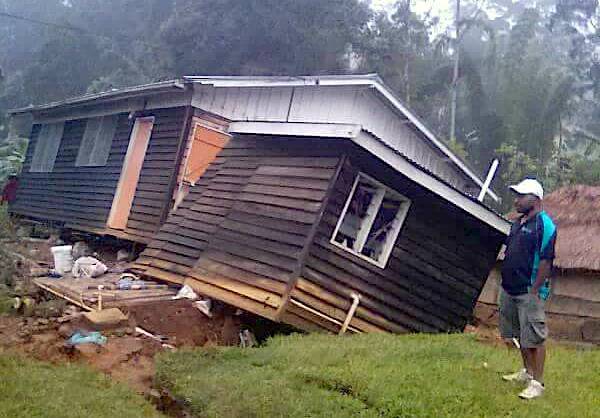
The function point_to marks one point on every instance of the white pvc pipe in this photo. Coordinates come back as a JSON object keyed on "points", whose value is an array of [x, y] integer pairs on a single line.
{"points": [[351, 311], [322, 315], [488, 180]]}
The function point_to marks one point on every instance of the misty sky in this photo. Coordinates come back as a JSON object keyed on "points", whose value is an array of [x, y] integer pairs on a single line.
{"points": [[444, 9]]}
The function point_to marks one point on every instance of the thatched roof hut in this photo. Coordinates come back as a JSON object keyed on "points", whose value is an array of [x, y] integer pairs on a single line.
{"points": [[576, 212], [573, 310]]}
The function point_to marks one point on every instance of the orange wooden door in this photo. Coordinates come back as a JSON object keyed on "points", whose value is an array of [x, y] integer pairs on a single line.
{"points": [[130, 173], [206, 144]]}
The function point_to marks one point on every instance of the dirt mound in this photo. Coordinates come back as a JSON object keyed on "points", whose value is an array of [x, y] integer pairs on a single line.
{"points": [[185, 325]]}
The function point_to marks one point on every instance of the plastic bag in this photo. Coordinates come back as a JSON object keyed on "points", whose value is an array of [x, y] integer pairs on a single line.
{"points": [[186, 292], [82, 337], [88, 267]]}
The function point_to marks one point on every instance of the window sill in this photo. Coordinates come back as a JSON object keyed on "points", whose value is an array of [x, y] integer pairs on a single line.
{"points": [[379, 264]]}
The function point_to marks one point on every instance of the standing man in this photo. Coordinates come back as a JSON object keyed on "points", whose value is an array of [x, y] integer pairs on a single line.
{"points": [[526, 271]]}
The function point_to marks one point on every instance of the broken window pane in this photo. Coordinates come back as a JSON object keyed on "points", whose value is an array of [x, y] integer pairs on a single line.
{"points": [[355, 214], [383, 227], [371, 220]]}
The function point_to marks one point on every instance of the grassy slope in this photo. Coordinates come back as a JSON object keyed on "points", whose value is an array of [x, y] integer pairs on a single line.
{"points": [[376, 375], [34, 389]]}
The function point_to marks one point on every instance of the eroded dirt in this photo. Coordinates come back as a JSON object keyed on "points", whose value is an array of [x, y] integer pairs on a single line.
{"points": [[127, 356]]}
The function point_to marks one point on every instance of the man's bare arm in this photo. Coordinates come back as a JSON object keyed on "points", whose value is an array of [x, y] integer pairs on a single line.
{"points": [[542, 274]]}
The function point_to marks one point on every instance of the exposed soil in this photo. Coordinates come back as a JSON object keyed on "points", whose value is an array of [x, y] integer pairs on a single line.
{"points": [[126, 357], [185, 325]]}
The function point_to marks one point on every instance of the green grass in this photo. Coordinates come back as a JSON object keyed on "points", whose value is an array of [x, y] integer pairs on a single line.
{"points": [[33, 389], [7, 229], [376, 376]]}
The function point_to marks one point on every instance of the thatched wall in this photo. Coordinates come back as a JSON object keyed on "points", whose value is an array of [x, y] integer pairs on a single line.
{"points": [[573, 310], [576, 211]]}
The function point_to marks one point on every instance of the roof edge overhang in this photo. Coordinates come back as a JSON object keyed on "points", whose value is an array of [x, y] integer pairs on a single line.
{"points": [[378, 148], [120, 94], [369, 80], [404, 166]]}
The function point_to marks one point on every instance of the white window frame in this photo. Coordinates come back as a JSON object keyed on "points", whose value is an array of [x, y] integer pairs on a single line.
{"points": [[46, 148], [367, 223], [92, 143]]}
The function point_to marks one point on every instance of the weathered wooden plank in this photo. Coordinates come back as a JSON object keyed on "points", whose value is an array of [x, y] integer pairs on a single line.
{"points": [[251, 266], [284, 202], [244, 276], [296, 192], [291, 182], [232, 247], [294, 172], [365, 309]]}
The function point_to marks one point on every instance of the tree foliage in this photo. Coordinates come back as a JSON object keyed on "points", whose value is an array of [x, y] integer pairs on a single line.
{"points": [[528, 82]]}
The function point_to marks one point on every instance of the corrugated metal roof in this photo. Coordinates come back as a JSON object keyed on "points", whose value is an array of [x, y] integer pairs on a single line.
{"points": [[371, 80], [505, 222], [115, 94]]}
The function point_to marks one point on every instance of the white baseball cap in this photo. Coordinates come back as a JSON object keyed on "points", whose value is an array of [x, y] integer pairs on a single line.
{"points": [[529, 186]]}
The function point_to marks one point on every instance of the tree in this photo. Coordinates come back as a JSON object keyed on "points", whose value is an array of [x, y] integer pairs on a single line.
{"points": [[291, 37]]}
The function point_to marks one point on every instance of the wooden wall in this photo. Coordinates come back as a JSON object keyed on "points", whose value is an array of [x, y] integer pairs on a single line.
{"points": [[152, 195], [572, 311], [249, 234], [81, 197], [433, 277], [239, 234]]}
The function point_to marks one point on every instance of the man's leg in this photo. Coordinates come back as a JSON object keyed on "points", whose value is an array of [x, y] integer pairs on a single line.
{"points": [[533, 335], [510, 328], [528, 360], [538, 356]]}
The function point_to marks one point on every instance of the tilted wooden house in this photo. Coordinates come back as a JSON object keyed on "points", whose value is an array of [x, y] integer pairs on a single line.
{"points": [[309, 200]]}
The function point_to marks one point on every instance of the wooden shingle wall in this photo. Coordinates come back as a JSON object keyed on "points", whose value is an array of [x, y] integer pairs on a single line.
{"points": [[433, 277], [255, 232], [241, 230], [152, 192], [81, 197]]}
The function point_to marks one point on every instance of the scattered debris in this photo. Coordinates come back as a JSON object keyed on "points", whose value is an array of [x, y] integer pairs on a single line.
{"points": [[84, 337], [58, 320], [204, 306], [123, 255], [88, 267], [159, 338], [105, 319], [81, 249], [247, 339], [186, 292], [63, 258], [84, 292]]}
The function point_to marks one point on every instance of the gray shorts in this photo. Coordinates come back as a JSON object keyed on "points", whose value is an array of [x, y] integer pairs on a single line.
{"points": [[523, 317]]}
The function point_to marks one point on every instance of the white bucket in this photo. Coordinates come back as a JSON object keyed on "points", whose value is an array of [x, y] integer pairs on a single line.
{"points": [[63, 258]]}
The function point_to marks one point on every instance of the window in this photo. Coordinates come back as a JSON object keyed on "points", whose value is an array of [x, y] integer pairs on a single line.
{"points": [[97, 140], [371, 220], [46, 147]]}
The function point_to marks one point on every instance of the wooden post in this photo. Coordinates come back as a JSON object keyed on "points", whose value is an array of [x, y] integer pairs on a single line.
{"points": [[185, 131]]}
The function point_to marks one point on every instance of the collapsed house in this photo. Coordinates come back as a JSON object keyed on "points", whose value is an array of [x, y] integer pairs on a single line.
{"points": [[573, 310], [321, 202]]}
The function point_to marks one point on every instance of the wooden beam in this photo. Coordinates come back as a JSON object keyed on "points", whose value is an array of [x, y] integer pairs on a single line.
{"points": [[185, 132], [295, 275]]}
